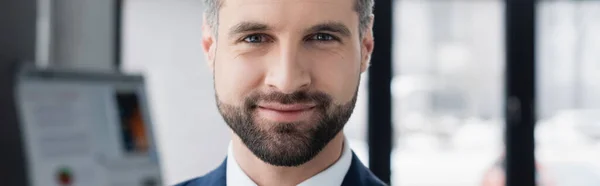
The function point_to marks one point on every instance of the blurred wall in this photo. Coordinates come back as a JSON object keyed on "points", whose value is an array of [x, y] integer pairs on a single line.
{"points": [[162, 39]]}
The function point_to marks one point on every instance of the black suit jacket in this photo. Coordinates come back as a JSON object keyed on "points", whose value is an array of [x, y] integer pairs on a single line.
{"points": [[357, 175]]}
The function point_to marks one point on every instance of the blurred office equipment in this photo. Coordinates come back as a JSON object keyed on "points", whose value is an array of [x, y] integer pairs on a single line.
{"points": [[68, 116], [86, 128]]}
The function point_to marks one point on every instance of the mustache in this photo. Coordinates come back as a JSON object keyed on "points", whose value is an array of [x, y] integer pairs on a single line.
{"points": [[317, 97]]}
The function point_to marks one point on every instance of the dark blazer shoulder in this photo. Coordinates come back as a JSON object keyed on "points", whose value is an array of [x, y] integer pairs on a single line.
{"points": [[359, 175], [216, 177]]}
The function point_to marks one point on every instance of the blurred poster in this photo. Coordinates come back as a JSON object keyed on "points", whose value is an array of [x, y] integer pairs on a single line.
{"points": [[87, 132], [58, 137]]}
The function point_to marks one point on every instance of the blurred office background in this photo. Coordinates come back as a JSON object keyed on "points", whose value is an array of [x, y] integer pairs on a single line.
{"points": [[447, 89]]}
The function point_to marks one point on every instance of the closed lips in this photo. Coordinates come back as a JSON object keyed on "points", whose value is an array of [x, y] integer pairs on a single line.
{"points": [[286, 107]]}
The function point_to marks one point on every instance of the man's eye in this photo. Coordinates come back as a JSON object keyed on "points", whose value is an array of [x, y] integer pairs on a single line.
{"points": [[322, 37], [255, 38]]}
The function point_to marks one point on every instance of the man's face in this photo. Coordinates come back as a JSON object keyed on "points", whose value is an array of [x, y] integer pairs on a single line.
{"points": [[286, 73]]}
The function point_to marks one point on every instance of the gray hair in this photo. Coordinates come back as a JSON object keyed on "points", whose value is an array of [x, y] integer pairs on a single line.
{"points": [[364, 8]]}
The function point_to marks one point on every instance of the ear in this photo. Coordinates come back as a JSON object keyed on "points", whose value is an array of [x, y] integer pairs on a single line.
{"points": [[367, 45], [208, 42]]}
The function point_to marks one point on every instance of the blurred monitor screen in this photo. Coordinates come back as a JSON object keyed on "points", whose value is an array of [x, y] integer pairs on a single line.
{"points": [[89, 129]]}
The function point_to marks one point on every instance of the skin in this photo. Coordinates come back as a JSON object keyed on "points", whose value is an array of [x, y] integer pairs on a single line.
{"points": [[286, 46]]}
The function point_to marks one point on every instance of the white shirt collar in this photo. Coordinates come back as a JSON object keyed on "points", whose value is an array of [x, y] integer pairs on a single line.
{"points": [[334, 175]]}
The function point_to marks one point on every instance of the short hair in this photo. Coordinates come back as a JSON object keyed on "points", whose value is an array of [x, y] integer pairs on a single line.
{"points": [[364, 8]]}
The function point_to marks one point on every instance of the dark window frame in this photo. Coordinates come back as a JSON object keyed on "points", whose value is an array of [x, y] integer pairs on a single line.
{"points": [[520, 107]]}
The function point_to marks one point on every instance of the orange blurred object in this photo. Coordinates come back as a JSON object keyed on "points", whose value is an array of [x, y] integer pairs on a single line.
{"points": [[138, 131]]}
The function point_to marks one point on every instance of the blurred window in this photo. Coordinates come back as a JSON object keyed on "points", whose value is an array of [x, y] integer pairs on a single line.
{"points": [[568, 88], [447, 92]]}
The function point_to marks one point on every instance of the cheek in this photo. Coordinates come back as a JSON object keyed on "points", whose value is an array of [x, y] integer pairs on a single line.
{"points": [[236, 77], [337, 73]]}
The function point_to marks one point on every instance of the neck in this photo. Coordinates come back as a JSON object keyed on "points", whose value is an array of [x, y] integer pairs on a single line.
{"points": [[265, 174]]}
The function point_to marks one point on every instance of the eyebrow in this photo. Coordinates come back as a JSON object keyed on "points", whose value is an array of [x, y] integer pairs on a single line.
{"points": [[245, 27], [331, 26], [335, 27]]}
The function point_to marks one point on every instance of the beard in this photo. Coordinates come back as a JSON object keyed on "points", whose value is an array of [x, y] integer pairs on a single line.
{"points": [[287, 144]]}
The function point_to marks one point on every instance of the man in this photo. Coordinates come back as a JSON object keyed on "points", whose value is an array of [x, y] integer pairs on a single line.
{"points": [[286, 76]]}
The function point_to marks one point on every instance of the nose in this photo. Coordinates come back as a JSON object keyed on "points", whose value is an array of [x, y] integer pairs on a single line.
{"points": [[287, 73]]}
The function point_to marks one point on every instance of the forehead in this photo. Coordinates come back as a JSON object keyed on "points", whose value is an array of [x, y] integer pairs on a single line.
{"points": [[281, 14]]}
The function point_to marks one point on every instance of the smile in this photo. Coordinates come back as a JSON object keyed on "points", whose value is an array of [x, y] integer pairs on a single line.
{"points": [[286, 112]]}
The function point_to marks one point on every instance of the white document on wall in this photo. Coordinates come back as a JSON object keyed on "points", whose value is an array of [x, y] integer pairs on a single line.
{"points": [[81, 131]]}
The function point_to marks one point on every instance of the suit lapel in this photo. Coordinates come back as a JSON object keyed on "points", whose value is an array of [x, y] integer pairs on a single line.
{"points": [[352, 178], [359, 175], [217, 177]]}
